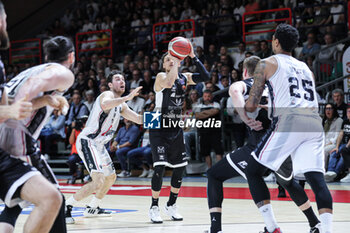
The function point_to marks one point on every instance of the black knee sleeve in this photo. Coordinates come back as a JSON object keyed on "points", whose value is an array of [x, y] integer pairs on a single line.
{"points": [[59, 226], [214, 190], [257, 185], [320, 189], [176, 178], [157, 178], [10, 215], [294, 189]]}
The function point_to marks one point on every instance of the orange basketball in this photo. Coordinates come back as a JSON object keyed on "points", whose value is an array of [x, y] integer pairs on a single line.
{"points": [[179, 47]]}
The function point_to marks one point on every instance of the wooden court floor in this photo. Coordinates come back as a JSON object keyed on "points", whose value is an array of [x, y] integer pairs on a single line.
{"points": [[130, 200]]}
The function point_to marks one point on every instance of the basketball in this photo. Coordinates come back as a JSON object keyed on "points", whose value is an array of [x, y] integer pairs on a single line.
{"points": [[179, 47]]}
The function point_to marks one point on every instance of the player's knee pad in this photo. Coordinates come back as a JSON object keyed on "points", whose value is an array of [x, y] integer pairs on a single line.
{"points": [[10, 215], [176, 178], [319, 187], [157, 178]]}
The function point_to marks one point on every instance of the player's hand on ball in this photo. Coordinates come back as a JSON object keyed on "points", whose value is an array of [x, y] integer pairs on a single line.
{"points": [[21, 109]]}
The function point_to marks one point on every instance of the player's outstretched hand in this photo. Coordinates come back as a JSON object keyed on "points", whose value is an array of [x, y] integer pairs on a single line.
{"points": [[191, 55], [253, 124], [21, 109], [134, 93]]}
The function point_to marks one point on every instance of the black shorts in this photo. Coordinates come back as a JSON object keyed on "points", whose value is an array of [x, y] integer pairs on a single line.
{"points": [[13, 174], [168, 147], [208, 141]]}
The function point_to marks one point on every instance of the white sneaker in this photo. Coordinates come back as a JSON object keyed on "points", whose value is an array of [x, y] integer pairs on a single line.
{"points": [[144, 173], [96, 212], [124, 174], [329, 176], [346, 179], [154, 214], [150, 173], [171, 211], [270, 178]]}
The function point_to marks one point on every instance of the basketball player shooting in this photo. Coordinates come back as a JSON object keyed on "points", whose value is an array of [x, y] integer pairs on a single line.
{"points": [[99, 130], [167, 144]]}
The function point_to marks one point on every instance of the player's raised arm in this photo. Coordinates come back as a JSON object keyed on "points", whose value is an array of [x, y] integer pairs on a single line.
{"points": [[202, 76], [131, 115], [166, 79], [109, 101]]}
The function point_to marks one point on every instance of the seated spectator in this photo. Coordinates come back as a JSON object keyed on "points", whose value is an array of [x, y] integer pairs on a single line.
{"points": [[150, 103], [138, 155], [311, 45], [338, 100], [213, 88], [265, 51], [336, 162], [136, 79], [125, 141], [345, 153], [194, 97], [212, 56], [224, 82], [210, 138], [74, 157], [147, 83], [331, 124], [52, 131], [137, 103], [329, 54], [90, 99], [240, 55]]}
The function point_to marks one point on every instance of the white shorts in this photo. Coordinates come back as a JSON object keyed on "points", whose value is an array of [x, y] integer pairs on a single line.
{"points": [[300, 136], [95, 156]]}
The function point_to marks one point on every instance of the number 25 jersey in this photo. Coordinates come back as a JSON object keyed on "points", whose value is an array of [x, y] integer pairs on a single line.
{"points": [[292, 88]]}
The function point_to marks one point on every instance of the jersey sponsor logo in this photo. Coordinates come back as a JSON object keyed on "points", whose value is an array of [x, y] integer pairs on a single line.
{"points": [[160, 149], [243, 164], [151, 120]]}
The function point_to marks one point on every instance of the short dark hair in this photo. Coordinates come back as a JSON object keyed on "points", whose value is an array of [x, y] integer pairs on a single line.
{"points": [[288, 36], [58, 48], [111, 75], [162, 59], [208, 91], [250, 63]]}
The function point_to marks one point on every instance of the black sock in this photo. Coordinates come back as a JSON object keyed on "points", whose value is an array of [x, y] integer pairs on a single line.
{"points": [[215, 219], [172, 198], [311, 217], [154, 202]]}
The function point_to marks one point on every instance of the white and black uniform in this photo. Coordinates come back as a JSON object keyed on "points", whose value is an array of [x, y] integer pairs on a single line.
{"points": [[13, 174], [20, 141], [167, 144], [99, 130], [296, 127]]}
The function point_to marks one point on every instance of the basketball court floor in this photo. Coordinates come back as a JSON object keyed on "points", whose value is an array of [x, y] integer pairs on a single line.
{"points": [[130, 200]]}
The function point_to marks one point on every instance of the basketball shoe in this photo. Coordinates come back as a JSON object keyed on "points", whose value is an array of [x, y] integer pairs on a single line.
{"points": [[96, 212], [277, 230], [154, 214], [171, 211], [316, 229], [68, 213]]}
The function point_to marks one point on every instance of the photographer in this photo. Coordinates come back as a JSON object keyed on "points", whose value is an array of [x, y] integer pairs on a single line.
{"points": [[74, 158]]}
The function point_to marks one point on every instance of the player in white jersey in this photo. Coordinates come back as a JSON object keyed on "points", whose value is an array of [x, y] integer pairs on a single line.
{"points": [[295, 130], [99, 130], [43, 86]]}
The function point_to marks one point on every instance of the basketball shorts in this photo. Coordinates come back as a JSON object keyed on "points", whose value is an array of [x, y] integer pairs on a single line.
{"points": [[168, 148], [95, 156], [300, 136], [13, 174]]}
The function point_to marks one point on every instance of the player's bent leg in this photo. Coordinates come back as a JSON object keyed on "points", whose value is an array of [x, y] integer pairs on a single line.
{"points": [[97, 182], [59, 226], [47, 200], [8, 218], [176, 181], [157, 181], [323, 199]]}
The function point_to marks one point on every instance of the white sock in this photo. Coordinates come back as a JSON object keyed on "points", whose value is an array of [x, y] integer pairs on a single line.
{"points": [[326, 222], [269, 218], [71, 201], [95, 202]]}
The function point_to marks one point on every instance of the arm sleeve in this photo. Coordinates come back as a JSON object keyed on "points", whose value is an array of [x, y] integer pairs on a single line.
{"points": [[203, 74]]}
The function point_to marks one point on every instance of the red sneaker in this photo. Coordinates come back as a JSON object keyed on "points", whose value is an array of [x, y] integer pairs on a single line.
{"points": [[277, 230]]}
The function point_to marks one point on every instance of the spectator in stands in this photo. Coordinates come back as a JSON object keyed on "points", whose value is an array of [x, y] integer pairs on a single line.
{"points": [[154, 68], [329, 54], [87, 26], [136, 79], [150, 103], [240, 55], [336, 162], [338, 100], [136, 157], [265, 51], [337, 13], [77, 110], [212, 57], [224, 82], [147, 83], [321, 17], [332, 124], [92, 85], [210, 138], [311, 45], [238, 9], [110, 66], [58, 29], [235, 76], [103, 88], [51, 132], [225, 58], [90, 99], [213, 88], [251, 6], [125, 140], [225, 25], [256, 48], [136, 104], [186, 13], [74, 157], [194, 98], [200, 54]]}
